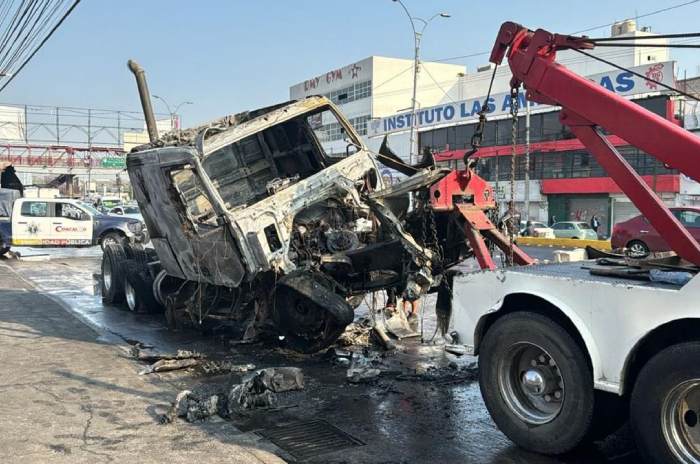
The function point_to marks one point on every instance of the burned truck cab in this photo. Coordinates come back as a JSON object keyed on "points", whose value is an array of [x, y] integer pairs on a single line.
{"points": [[272, 215]]}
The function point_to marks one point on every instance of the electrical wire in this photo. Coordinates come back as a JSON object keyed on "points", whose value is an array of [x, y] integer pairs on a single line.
{"points": [[642, 76], [40, 45], [593, 28]]}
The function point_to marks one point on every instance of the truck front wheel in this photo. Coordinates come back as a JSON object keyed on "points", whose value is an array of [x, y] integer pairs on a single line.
{"points": [[112, 238], [665, 406], [536, 383]]}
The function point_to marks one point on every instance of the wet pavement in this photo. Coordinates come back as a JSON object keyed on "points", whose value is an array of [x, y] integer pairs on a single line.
{"points": [[424, 407]]}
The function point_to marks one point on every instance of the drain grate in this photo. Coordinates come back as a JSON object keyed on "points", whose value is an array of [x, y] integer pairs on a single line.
{"points": [[307, 439]]}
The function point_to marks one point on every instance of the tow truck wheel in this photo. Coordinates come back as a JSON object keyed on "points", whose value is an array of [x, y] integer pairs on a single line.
{"points": [[665, 406], [536, 383], [113, 260]]}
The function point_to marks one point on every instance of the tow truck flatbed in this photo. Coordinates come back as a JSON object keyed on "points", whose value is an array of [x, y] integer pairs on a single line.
{"points": [[580, 271]]}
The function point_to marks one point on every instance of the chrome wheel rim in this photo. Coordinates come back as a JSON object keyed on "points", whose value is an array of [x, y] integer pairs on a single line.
{"points": [[637, 249], [108, 241], [530, 383], [130, 294], [680, 421], [107, 274]]}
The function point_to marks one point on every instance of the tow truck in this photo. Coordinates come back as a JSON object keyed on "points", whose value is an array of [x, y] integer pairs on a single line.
{"points": [[568, 352]]}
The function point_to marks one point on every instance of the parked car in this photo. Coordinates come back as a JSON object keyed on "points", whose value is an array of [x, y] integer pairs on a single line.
{"points": [[574, 229], [131, 211], [639, 238], [541, 229]]}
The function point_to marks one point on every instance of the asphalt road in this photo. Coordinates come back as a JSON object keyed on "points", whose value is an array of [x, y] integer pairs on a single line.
{"points": [[403, 417]]}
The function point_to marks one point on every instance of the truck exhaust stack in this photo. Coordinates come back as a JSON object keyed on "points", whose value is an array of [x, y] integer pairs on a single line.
{"points": [[145, 96]]}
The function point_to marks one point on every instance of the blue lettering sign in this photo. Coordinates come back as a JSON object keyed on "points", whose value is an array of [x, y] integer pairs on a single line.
{"points": [[438, 113], [607, 83], [625, 82], [449, 112], [476, 107], [491, 105]]}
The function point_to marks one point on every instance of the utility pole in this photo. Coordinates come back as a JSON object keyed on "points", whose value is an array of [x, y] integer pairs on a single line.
{"points": [[417, 36], [173, 114]]}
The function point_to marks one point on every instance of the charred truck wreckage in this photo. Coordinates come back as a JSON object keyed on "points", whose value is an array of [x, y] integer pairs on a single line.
{"points": [[252, 219]]}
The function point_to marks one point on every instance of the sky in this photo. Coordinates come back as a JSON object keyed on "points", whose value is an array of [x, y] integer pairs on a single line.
{"points": [[229, 56]]}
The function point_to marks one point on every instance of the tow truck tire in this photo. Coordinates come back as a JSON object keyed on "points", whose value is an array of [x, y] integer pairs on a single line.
{"points": [[665, 406], [113, 261], [536, 383]]}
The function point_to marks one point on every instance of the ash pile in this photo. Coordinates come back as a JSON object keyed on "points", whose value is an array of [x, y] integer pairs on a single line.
{"points": [[258, 390]]}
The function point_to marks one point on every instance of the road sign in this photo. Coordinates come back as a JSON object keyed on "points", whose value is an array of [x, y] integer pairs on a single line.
{"points": [[113, 163]]}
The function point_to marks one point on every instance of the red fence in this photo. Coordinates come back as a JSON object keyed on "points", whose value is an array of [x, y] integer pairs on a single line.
{"points": [[57, 155]]}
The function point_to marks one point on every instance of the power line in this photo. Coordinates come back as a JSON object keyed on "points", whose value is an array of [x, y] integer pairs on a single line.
{"points": [[645, 15], [41, 44], [504, 71], [651, 13]]}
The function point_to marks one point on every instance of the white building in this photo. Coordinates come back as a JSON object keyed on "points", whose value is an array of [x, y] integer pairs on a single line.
{"points": [[378, 86]]}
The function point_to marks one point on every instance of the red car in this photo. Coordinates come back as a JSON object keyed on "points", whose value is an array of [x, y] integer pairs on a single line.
{"points": [[640, 238]]}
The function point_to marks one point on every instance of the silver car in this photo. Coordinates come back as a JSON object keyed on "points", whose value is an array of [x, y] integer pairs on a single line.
{"points": [[574, 229]]}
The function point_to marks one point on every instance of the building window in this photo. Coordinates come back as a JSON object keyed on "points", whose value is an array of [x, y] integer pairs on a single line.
{"points": [[348, 94], [360, 124], [333, 131]]}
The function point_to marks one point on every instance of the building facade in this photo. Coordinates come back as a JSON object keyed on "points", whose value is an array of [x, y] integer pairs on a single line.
{"points": [[377, 87], [566, 182]]}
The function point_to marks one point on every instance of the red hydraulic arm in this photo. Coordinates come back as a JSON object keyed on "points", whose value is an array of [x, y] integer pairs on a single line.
{"points": [[587, 106], [463, 191]]}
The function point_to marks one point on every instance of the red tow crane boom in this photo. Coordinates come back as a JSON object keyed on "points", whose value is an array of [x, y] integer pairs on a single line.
{"points": [[587, 107]]}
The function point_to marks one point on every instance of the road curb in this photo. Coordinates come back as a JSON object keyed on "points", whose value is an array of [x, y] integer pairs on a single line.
{"points": [[564, 242]]}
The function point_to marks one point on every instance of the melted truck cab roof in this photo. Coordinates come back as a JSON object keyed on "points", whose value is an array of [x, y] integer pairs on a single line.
{"points": [[220, 200]]}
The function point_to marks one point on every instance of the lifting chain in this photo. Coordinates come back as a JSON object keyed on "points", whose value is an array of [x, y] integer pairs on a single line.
{"points": [[479, 131], [511, 203], [432, 242]]}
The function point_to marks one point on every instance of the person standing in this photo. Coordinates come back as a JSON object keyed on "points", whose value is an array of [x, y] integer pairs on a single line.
{"points": [[595, 223]]}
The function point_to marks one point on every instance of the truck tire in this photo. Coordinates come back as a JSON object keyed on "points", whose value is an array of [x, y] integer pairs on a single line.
{"points": [[113, 261], [138, 288], [536, 383], [665, 406], [111, 238]]}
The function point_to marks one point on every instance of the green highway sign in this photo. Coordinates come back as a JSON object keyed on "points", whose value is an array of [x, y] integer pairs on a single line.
{"points": [[113, 163]]}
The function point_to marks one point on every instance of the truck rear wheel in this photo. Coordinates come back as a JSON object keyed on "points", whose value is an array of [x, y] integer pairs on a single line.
{"points": [[138, 287], [113, 261], [536, 383], [665, 406]]}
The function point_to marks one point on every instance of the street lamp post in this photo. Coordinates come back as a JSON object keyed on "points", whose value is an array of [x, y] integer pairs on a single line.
{"points": [[417, 36], [173, 113]]}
